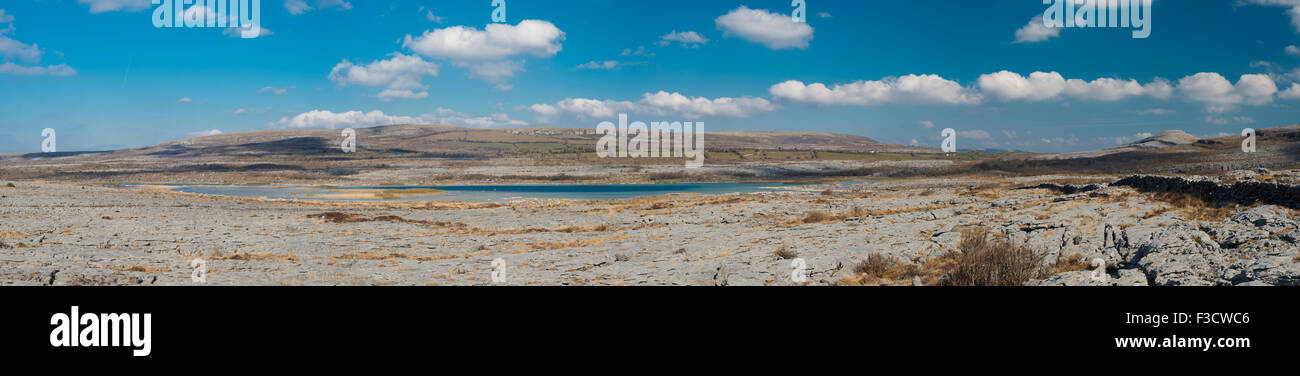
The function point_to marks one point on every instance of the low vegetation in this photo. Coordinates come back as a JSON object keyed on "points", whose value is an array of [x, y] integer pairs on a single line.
{"points": [[986, 261], [785, 253], [1191, 207]]}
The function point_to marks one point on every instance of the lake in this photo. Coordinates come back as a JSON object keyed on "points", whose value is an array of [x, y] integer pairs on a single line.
{"points": [[478, 193]]}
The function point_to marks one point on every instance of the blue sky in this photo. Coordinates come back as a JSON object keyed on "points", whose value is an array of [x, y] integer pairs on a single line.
{"points": [[104, 77]]}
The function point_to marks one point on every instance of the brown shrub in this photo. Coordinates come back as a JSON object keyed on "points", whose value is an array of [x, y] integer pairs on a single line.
{"points": [[785, 253], [876, 265], [817, 216], [994, 262]]}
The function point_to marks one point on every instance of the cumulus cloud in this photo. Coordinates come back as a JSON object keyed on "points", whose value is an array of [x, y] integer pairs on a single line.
{"points": [[909, 89], [101, 6], [688, 39], [1036, 31], [1291, 93], [661, 103], [489, 54], [1041, 86], [1219, 95], [323, 119], [51, 70], [1292, 50], [776, 31], [927, 124], [1007, 85], [297, 7], [185, 100], [5, 17], [401, 76], [1111, 89]]}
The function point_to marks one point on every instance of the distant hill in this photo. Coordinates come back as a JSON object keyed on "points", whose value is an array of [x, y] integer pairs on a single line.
{"points": [[444, 140]]}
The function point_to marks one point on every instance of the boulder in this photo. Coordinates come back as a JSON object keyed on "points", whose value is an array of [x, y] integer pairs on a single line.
{"points": [[1179, 256], [1273, 270], [1268, 218]]}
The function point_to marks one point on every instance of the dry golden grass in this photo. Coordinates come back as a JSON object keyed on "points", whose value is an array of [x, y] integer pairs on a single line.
{"points": [[11, 235], [878, 269], [1073, 263], [576, 243], [1191, 207]]}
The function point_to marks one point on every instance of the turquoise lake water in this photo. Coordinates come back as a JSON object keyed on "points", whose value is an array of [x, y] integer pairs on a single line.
{"points": [[492, 193]]}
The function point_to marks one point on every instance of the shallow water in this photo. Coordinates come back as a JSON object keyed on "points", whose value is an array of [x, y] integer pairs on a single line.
{"points": [[487, 193]]}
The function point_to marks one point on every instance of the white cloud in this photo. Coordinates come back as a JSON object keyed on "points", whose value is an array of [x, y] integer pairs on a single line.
{"points": [[640, 51], [51, 70], [1219, 95], [606, 65], [432, 18], [1144, 135], [1036, 31], [1292, 50], [909, 89], [489, 53], [1041, 86], [1157, 112], [776, 31], [212, 132], [400, 76], [824, 15], [273, 90], [1111, 89], [5, 17], [12, 49], [101, 6], [1007, 85], [927, 124], [322, 119], [185, 100], [1225, 121], [1291, 93], [661, 103], [297, 7], [237, 32], [688, 39]]}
